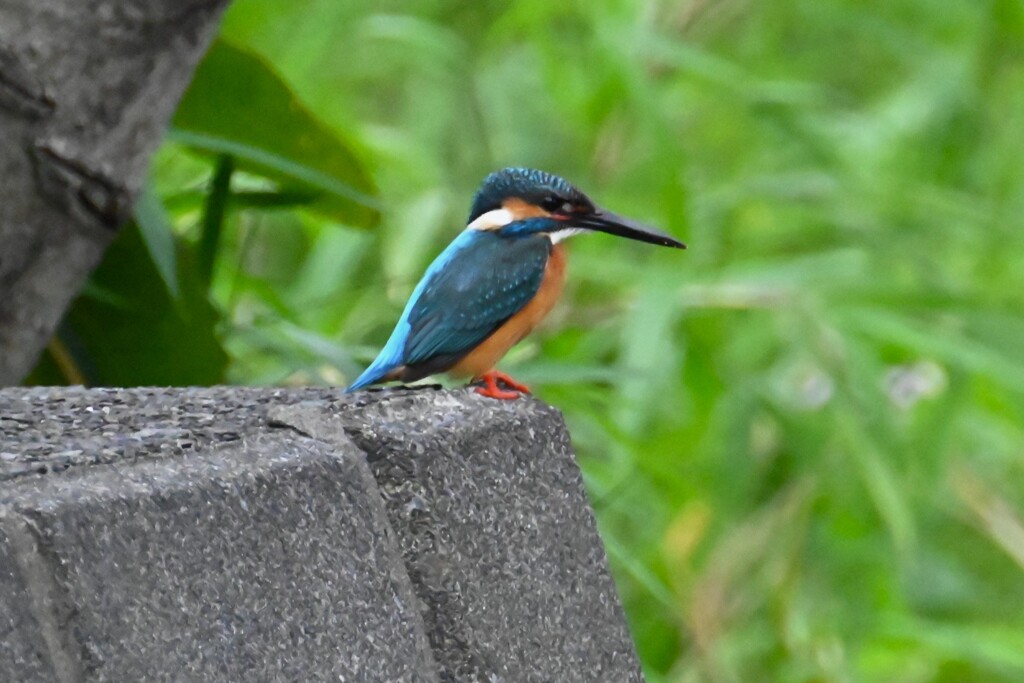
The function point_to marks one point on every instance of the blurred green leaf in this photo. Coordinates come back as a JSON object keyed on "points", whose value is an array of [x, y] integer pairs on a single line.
{"points": [[255, 199], [993, 647], [144, 336], [156, 232], [237, 106], [951, 345]]}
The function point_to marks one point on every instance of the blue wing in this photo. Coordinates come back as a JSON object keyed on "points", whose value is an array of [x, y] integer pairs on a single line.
{"points": [[476, 284]]}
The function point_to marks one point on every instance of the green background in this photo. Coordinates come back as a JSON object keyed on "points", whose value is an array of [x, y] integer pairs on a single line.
{"points": [[802, 437]]}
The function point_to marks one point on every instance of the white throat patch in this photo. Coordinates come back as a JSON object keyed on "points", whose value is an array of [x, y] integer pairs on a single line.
{"points": [[559, 235], [492, 220], [499, 218]]}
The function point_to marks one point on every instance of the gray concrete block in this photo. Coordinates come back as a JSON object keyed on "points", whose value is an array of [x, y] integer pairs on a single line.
{"points": [[22, 645], [234, 534], [266, 558], [497, 533], [52, 429]]}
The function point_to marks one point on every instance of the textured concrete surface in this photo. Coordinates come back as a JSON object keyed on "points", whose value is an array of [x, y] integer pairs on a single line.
{"points": [[253, 534], [51, 429], [20, 635], [497, 533]]}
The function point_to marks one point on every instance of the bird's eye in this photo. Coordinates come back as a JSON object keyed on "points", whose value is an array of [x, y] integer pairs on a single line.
{"points": [[555, 204]]}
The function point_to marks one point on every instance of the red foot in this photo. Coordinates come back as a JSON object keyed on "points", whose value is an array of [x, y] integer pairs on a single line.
{"points": [[492, 389]]}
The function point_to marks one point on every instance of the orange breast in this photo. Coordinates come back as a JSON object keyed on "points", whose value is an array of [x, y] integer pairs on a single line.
{"points": [[486, 356]]}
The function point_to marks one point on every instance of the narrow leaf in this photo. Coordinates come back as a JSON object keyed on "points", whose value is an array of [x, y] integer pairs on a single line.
{"points": [[213, 216], [158, 237]]}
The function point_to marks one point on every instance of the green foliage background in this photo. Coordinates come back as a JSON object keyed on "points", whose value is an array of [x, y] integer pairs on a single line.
{"points": [[804, 437]]}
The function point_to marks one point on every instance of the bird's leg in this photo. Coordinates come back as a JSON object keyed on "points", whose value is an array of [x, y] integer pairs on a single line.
{"points": [[491, 388]]}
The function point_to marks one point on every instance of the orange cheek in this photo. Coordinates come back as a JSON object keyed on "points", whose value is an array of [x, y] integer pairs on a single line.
{"points": [[520, 209]]}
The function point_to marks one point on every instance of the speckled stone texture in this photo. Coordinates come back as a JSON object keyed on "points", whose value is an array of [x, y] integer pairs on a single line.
{"points": [[19, 632], [256, 534]]}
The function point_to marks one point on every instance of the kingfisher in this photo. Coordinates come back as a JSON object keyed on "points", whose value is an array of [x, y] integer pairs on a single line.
{"points": [[495, 282]]}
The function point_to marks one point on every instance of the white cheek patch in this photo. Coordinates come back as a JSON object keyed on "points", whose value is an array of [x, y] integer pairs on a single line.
{"points": [[492, 220], [559, 235]]}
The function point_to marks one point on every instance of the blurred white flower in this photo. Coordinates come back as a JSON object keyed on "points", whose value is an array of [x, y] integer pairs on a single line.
{"points": [[905, 385], [803, 385]]}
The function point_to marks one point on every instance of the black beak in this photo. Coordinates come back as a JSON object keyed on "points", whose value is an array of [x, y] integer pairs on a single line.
{"points": [[614, 224]]}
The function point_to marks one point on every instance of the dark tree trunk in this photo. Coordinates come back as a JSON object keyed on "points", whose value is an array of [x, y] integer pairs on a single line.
{"points": [[86, 88]]}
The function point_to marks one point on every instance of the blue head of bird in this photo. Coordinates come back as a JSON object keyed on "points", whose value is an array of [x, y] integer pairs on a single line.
{"points": [[496, 281], [523, 201]]}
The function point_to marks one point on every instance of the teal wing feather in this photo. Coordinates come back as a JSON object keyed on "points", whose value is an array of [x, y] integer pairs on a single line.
{"points": [[477, 283], [481, 286]]}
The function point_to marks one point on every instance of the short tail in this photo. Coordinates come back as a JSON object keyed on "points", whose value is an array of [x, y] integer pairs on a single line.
{"points": [[365, 380], [386, 363], [378, 371]]}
